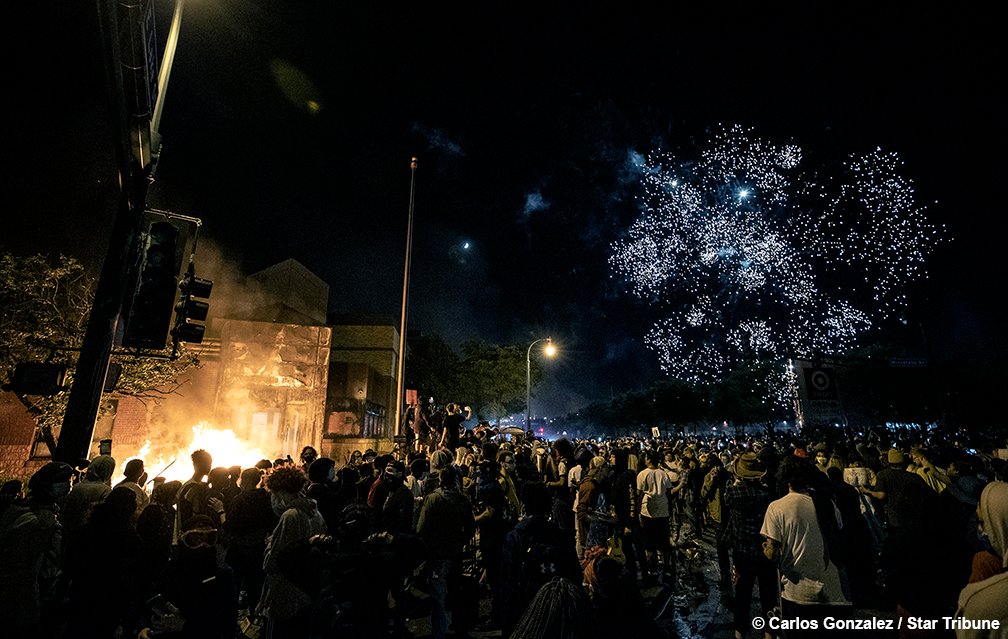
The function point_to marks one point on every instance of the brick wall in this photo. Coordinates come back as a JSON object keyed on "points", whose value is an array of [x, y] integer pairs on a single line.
{"points": [[17, 431]]}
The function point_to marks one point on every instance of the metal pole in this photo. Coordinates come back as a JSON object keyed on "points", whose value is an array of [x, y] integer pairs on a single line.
{"points": [[528, 385], [166, 65], [92, 365], [400, 382]]}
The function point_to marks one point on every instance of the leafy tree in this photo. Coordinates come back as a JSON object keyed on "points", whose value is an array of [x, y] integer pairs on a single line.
{"points": [[433, 368], [494, 378], [44, 307]]}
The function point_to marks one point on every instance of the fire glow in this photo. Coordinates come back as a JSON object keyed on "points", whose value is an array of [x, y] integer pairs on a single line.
{"points": [[226, 448]]}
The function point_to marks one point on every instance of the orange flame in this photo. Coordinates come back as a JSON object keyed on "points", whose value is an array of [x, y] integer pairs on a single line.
{"points": [[226, 448]]}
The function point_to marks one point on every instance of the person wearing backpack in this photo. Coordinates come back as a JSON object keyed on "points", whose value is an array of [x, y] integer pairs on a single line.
{"points": [[535, 551], [445, 526]]}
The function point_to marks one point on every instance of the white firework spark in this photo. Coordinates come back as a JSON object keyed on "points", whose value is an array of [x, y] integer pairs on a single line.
{"points": [[754, 257]]}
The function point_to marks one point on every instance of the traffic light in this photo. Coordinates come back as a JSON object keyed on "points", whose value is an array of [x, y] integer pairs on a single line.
{"points": [[37, 378], [150, 310], [190, 310]]}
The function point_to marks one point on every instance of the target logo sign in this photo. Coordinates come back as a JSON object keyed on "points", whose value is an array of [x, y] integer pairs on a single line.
{"points": [[819, 383]]}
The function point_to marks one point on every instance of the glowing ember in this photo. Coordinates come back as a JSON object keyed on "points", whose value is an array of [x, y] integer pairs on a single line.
{"points": [[224, 445]]}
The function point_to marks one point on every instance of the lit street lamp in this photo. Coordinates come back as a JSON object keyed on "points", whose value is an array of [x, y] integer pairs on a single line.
{"points": [[550, 351]]}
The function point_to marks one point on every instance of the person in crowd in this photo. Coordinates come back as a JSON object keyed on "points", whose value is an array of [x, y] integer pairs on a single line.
{"points": [[560, 609], [307, 456], [935, 477], [451, 426], [194, 494], [561, 460], [909, 508], [419, 472], [10, 492], [987, 598], [745, 503], [508, 482], [653, 486], [369, 470], [811, 584], [617, 606], [155, 527], [134, 478], [595, 515], [31, 546], [249, 521], [324, 490], [446, 524], [712, 492], [285, 606], [395, 514], [85, 494], [822, 455], [623, 497], [199, 588], [861, 567], [692, 502], [579, 468], [103, 570], [347, 479], [223, 485], [489, 506], [535, 551]]}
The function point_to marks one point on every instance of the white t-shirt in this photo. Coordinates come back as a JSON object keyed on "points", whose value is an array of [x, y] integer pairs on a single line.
{"points": [[573, 479], [791, 520], [655, 484]]}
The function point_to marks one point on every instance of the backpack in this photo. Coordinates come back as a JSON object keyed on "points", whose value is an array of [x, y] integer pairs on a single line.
{"points": [[541, 558]]}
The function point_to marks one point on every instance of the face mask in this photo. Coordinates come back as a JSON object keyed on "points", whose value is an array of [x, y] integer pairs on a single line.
{"points": [[278, 503], [61, 489], [332, 473]]}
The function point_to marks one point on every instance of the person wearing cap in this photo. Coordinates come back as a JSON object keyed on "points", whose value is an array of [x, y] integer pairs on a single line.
{"points": [[918, 559], [395, 515], [898, 490], [744, 503], [30, 551]]}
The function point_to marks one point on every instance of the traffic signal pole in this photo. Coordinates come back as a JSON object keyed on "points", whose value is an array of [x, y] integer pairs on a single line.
{"points": [[89, 374]]}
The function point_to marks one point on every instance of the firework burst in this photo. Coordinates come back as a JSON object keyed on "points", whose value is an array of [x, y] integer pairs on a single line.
{"points": [[752, 256]]}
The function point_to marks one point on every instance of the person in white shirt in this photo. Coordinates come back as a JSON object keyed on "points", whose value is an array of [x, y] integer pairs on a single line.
{"points": [[812, 586], [653, 486]]}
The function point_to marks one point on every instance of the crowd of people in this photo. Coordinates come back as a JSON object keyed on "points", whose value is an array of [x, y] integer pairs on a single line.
{"points": [[562, 538]]}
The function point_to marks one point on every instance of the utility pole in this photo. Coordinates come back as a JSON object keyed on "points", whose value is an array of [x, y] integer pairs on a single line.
{"points": [[400, 382], [131, 101]]}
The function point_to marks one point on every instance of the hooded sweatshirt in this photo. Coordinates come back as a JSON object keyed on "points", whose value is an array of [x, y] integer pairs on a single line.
{"points": [[281, 599], [91, 490], [988, 599]]}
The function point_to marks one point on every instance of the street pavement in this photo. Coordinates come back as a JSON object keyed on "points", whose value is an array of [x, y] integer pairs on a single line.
{"points": [[698, 609]]}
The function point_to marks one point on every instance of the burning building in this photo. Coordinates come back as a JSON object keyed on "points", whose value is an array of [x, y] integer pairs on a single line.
{"points": [[275, 376]]}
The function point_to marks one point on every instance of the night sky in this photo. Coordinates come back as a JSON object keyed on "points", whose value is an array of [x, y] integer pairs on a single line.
{"points": [[289, 127]]}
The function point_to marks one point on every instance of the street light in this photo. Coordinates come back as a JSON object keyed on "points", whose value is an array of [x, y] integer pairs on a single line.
{"points": [[550, 351]]}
